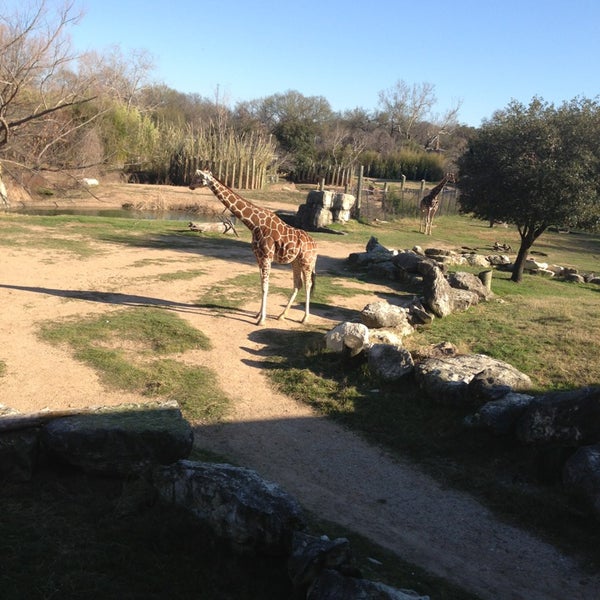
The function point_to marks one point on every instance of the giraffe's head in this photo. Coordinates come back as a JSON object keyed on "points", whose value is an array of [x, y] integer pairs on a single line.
{"points": [[450, 177], [200, 179]]}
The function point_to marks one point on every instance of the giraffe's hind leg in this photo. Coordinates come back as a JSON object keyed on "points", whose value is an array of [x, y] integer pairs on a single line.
{"points": [[297, 285]]}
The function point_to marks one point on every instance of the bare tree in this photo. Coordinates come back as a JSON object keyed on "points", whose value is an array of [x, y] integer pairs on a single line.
{"points": [[36, 84], [406, 105], [116, 76], [442, 125]]}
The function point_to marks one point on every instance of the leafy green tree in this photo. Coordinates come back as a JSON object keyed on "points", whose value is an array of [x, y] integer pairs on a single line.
{"points": [[534, 166]]}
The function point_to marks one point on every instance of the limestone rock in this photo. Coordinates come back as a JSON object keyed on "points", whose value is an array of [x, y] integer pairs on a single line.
{"points": [[347, 336], [581, 475], [311, 555], [331, 585], [437, 294], [469, 282], [252, 514], [565, 418], [496, 381], [18, 454], [500, 416], [408, 260], [389, 363], [383, 314], [446, 379], [120, 440]]}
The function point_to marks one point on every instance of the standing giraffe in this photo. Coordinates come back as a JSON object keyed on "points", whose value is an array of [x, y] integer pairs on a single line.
{"points": [[272, 240], [430, 204]]}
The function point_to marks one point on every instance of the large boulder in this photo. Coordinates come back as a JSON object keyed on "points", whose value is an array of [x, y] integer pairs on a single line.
{"points": [[389, 363], [120, 440], [446, 379], [441, 298], [311, 555], [495, 381], [467, 281], [500, 416], [437, 293], [18, 454], [581, 475], [562, 418], [332, 585], [347, 337], [235, 503], [382, 314]]}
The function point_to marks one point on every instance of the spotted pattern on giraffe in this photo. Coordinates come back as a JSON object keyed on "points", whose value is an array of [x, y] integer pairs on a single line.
{"points": [[272, 240]]}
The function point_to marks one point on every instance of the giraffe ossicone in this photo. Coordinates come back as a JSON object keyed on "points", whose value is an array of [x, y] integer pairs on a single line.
{"points": [[272, 241]]}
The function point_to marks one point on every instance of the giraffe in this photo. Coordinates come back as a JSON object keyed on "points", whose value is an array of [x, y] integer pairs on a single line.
{"points": [[272, 240], [430, 204]]}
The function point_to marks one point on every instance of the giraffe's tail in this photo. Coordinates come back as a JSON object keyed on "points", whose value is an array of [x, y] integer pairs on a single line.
{"points": [[313, 281]]}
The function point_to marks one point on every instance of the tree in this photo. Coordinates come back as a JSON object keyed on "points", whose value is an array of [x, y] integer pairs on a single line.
{"points": [[35, 82], [404, 105], [534, 166]]}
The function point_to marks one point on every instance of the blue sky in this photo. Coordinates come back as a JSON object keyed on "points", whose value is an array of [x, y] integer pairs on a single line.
{"points": [[480, 53]]}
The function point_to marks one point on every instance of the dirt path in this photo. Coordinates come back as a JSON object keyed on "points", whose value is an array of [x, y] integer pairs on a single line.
{"points": [[329, 470]]}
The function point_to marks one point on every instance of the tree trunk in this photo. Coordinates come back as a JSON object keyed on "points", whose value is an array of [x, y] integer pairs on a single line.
{"points": [[517, 272]]}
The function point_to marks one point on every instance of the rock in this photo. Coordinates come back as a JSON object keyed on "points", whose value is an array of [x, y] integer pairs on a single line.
{"points": [[331, 585], [469, 282], [446, 379], [384, 336], [320, 198], [565, 418], [499, 260], [347, 336], [120, 440], [18, 454], [461, 300], [408, 261], [389, 363], [477, 260], [581, 475], [311, 555], [573, 278], [534, 265], [386, 270], [500, 416], [496, 381], [437, 295], [381, 314], [342, 206], [240, 507]]}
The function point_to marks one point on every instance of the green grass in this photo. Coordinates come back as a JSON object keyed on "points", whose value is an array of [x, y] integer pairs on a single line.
{"points": [[231, 293], [548, 329], [139, 350], [503, 474], [68, 535]]}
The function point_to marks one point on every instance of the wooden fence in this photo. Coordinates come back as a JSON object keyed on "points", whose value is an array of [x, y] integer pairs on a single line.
{"points": [[404, 203], [239, 174]]}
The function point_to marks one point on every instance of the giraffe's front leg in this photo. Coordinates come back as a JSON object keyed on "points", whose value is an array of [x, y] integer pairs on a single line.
{"points": [[264, 279]]}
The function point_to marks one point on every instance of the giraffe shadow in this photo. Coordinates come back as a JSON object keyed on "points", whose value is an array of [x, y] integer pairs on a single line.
{"points": [[116, 298]]}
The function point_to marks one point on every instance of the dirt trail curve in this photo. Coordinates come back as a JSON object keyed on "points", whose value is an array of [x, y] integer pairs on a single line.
{"points": [[328, 469]]}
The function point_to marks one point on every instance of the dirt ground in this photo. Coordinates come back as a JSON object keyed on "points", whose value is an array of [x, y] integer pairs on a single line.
{"points": [[331, 471]]}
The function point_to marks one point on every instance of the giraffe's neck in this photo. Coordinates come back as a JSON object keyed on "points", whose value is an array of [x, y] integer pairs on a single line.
{"points": [[248, 213], [438, 188], [433, 194]]}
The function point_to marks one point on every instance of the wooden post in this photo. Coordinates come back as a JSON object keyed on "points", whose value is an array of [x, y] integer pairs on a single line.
{"points": [[357, 207]]}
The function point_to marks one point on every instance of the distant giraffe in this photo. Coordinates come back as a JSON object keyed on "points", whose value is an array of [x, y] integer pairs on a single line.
{"points": [[430, 204], [272, 240]]}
